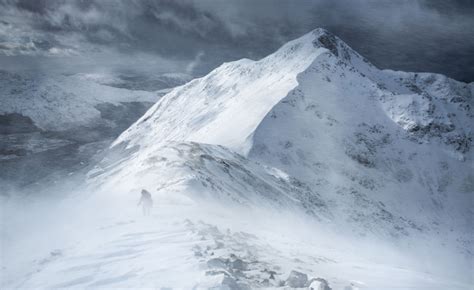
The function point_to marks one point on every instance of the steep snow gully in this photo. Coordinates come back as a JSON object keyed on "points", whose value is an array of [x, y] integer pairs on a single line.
{"points": [[309, 168]]}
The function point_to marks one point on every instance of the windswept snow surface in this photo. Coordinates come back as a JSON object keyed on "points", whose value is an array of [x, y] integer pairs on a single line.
{"points": [[186, 244], [309, 160]]}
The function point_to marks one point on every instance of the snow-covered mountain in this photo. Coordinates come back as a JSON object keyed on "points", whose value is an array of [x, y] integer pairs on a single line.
{"points": [[308, 163], [60, 103], [395, 143], [44, 118]]}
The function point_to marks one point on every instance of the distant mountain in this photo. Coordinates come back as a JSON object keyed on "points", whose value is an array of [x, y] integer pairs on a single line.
{"points": [[57, 121], [308, 163], [151, 83]]}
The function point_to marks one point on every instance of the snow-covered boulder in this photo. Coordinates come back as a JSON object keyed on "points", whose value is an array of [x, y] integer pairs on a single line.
{"points": [[318, 284]]}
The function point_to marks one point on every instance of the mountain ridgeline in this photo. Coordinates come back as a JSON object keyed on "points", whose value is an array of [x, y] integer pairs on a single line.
{"points": [[314, 128], [317, 127]]}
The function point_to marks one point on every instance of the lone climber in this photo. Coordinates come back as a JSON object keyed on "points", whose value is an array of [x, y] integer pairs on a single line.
{"points": [[146, 202]]}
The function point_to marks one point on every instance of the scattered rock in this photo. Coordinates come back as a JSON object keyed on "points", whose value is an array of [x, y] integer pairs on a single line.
{"points": [[227, 282], [238, 264], [297, 279], [217, 263], [230, 283], [271, 273]]}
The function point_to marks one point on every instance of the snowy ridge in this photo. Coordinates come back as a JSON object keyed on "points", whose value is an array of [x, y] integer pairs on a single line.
{"points": [[387, 154], [322, 114], [216, 173], [225, 106]]}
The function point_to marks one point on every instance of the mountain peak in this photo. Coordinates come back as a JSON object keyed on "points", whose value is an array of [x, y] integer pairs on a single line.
{"points": [[321, 38], [324, 38]]}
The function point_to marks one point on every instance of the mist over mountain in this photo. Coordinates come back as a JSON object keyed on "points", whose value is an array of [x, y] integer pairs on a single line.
{"points": [[208, 145], [312, 135], [193, 37], [60, 123]]}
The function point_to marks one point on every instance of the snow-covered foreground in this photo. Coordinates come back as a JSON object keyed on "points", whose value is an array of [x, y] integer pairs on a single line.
{"points": [[106, 242], [310, 163]]}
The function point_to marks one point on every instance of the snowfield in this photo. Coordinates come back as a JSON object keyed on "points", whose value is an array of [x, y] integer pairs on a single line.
{"points": [[309, 168]]}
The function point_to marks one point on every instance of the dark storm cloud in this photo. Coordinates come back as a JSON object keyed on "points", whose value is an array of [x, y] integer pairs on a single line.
{"points": [[194, 36]]}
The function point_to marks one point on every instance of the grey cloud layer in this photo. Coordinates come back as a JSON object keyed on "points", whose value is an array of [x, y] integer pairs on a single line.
{"points": [[195, 36]]}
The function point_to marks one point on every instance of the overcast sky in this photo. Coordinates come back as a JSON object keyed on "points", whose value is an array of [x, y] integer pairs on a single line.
{"points": [[145, 36]]}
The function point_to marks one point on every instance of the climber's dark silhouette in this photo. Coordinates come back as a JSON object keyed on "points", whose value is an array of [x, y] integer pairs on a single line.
{"points": [[146, 202]]}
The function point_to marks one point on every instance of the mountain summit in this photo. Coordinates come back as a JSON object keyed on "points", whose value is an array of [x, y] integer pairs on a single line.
{"points": [[226, 106]]}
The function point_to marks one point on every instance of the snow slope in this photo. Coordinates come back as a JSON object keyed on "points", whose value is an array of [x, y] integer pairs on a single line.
{"points": [[310, 159], [107, 244], [225, 106]]}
